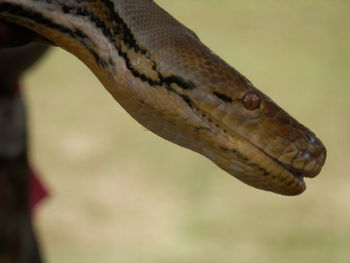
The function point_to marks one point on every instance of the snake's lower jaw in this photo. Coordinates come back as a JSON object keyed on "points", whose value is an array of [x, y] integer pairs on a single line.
{"points": [[253, 166]]}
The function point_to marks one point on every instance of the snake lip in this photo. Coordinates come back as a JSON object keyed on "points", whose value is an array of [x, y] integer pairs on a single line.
{"points": [[302, 173], [297, 173]]}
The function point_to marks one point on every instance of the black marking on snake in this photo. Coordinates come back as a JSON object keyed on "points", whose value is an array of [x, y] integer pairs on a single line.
{"points": [[198, 129], [283, 179], [121, 29], [82, 12], [235, 153], [187, 100], [180, 82], [265, 173], [80, 34], [222, 97], [40, 19], [290, 183], [225, 149], [66, 9], [128, 39], [261, 169]]}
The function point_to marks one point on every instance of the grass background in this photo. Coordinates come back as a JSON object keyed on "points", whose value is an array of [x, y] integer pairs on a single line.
{"points": [[121, 194]]}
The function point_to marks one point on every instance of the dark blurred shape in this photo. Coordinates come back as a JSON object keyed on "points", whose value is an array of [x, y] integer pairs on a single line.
{"points": [[17, 238], [12, 35]]}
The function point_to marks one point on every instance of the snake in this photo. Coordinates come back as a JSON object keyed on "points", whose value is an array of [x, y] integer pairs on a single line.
{"points": [[160, 72]]}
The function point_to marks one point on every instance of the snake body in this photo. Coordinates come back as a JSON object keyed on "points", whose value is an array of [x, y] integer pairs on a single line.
{"points": [[164, 77]]}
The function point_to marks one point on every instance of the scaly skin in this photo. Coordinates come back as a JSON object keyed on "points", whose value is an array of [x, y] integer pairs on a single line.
{"points": [[161, 73]]}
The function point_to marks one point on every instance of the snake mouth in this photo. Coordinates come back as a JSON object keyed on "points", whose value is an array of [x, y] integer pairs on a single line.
{"points": [[299, 174], [282, 177], [313, 161], [296, 172]]}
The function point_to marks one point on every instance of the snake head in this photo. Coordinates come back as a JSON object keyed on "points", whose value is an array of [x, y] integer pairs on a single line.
{"points": [[287, 143], [297, 149], [261, 144], [245, 132]]}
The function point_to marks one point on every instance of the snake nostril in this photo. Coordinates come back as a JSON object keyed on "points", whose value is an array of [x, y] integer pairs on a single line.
{"points": [[311, 138], [315, 146], [306, 156]]}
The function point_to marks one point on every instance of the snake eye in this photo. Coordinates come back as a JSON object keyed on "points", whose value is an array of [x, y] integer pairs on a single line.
{"points": [[251, 101]]}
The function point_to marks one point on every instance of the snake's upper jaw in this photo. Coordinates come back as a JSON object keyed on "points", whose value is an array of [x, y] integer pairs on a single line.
{"points": [[316, 165]]}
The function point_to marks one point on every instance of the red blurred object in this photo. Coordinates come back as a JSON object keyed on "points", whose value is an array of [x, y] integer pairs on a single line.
{"points": [[37, 191]]}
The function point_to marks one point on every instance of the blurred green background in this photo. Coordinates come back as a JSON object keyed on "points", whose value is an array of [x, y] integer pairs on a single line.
{"points": [[121, 194]]}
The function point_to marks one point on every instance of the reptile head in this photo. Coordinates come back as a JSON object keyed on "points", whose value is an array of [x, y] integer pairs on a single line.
{"points": [[271, 142], [255, 140], [246, 133]]}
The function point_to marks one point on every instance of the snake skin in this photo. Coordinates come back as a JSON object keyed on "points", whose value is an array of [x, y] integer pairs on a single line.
{"points": [[160, 72]]}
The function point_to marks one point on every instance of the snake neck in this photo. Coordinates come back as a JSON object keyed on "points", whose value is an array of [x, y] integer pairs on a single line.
{"points": [[76, 27], [95, 32]]}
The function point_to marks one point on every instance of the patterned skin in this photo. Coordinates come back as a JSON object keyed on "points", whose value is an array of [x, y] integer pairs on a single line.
{"points": [[172, 84]]}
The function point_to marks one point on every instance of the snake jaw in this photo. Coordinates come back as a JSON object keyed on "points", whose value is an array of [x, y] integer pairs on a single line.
{"points": [[310, 160]]}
